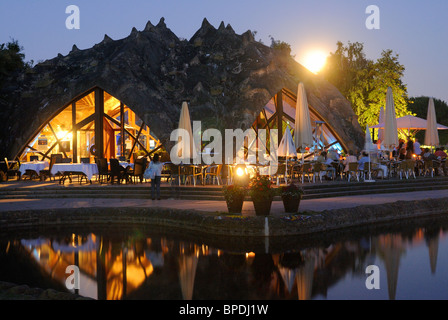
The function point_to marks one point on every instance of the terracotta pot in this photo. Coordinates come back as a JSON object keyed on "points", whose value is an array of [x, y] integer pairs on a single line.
{"points": [[235, 206], [262, 206], [291, 204]]}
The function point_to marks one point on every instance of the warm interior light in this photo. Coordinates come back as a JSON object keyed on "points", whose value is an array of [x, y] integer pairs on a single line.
{"points": [[315, 60]]}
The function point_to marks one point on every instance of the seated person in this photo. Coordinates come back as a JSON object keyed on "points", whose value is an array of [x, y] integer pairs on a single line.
{"points": [[440, 153], [382, 168], [322, 157], [427, 155], [363, 160], [350, 158], [333, 155]]}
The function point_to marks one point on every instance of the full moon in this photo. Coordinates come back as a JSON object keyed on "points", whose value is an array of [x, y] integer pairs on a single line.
{"points": [[315, 61]]}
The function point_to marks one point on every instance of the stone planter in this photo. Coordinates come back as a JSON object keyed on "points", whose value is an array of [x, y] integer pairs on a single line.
{"points": [[262, 206], [236, 205], [291, 204]]}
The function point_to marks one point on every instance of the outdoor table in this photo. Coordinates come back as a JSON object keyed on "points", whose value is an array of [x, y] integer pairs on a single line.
{"points": [[35, 166], [126, 164], [89, 169]]}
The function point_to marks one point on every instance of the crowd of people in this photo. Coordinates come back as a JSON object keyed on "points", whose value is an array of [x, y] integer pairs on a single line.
{"points": [[410, 149]]}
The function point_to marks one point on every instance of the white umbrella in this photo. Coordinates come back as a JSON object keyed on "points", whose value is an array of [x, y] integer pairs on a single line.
{"points": [[369, 147], [305, 277], [381, 130], [185, 148], [431, 135], [409, 123], [303, 132], [390, 121], [287, 147], [187, 274]]}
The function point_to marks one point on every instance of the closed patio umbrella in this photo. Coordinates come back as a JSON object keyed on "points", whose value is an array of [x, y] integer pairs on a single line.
{"points": [[287, 148], [381, 130], [431, 135], [390, 122], [185, 148], [303, 132], [369, 147]]}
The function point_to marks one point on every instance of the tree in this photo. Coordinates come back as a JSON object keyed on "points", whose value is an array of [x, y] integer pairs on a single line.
{"points": [[364, 82], [280, 45], [11, 59]]}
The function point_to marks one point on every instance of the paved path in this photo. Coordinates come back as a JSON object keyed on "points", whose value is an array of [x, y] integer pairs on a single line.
{"points": [[214, 206]]}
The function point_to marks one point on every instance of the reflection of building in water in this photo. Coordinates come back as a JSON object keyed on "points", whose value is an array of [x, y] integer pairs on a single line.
{"points": [[161, 268], [390, 249], [108, 270], [188, 262]]}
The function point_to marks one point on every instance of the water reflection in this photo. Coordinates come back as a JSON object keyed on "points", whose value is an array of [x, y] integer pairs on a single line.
{"points": [[157, 267]]}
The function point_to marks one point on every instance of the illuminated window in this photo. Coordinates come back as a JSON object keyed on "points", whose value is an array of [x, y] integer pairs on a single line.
{"points": [[77, 131]]}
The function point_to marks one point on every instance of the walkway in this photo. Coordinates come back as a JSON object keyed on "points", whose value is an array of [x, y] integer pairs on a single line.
{"points": [[219, 206]]}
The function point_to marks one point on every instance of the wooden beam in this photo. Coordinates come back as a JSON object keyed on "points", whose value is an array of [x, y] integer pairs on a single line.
{"points": [[99, 112], [57, 140], [122, 146], [127, 131], [279, 111], [136, 140], [74, 134]]}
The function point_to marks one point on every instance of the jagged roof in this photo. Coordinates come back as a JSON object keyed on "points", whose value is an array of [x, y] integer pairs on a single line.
{"points": [[227, 78]]}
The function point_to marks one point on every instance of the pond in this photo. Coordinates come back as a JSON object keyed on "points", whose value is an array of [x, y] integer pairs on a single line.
{"points": [[411, 262]]}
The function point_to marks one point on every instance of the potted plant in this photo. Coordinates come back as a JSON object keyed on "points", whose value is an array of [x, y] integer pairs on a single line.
{"points": [[262, 194], [291, 196], [234, 195]]}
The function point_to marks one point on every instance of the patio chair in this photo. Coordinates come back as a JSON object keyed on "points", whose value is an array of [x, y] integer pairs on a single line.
{"points": [[281, 173], [306, 170], [103, 169], [214, 172], [47, 172], [192, 172], [429, 167], [137, 172], [295, 171], [58, 157], [117, 171], [353, 169], [173, 171], [407, 167], [32, 158], [444, 167], [319, 169], [372, 169], [85, 160], [12, 170]]}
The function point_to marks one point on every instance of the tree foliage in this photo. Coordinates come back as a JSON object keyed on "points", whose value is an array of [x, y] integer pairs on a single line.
{"points": [[280, 45], [11, 59], [364, 82]]}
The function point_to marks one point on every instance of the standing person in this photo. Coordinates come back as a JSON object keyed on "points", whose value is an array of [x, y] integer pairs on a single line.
{"points": [[417, 150], [409, 149], [156, 167]]}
